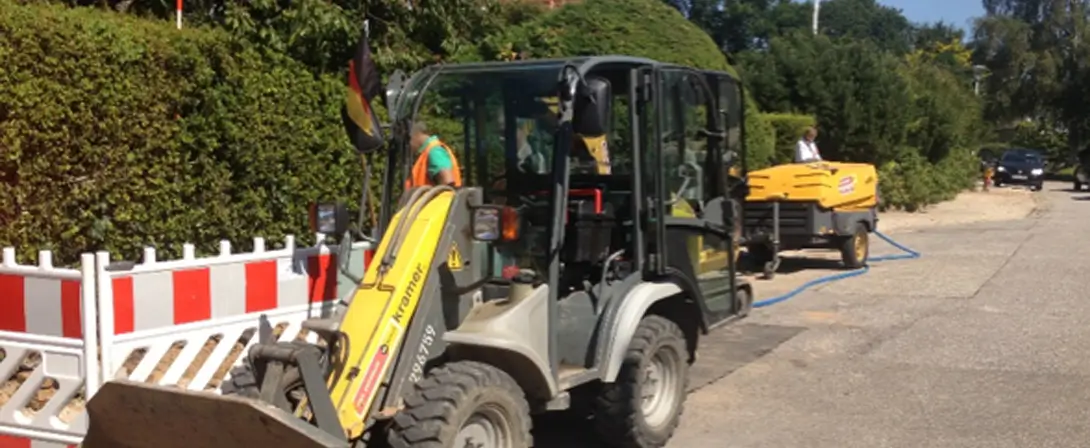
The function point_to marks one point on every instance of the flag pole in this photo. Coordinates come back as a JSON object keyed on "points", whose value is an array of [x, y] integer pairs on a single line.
{"points": [[178, 13]]}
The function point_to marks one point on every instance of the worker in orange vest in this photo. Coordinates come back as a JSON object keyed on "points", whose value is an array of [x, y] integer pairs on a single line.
{"points": [[435, 163]]}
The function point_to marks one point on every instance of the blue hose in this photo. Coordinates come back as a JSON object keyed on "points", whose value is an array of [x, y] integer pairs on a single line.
{"points": [[908, 254]]}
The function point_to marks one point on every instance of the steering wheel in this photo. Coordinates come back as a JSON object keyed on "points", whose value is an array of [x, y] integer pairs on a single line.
{"points": [[689, 172], [496, 186], [501, 190]]}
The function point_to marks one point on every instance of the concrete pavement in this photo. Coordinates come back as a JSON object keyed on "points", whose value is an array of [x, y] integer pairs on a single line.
{"points": [[983, 342]]}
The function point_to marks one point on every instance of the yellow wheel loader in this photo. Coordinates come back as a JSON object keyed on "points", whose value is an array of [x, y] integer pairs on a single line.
{"points": [[810, 205], [579, 281]]}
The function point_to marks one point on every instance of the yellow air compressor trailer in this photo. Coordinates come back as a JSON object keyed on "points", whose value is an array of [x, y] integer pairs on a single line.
{"points": [[810, 205]]}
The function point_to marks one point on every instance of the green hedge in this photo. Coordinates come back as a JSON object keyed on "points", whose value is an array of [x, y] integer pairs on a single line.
{"points": [[761, 138], [646, 28], [789, 128], [120, 132]]}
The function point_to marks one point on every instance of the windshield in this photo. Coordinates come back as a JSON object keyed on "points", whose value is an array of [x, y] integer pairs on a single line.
{"points": [[497, 121], [1021, 157]]}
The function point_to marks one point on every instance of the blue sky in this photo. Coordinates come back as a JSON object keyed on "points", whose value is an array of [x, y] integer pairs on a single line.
{"points": [[956, 12]]}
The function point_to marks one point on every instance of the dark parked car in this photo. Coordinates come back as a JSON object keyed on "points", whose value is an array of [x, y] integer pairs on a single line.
{"points": [[1021, 166], [1082, 170]]}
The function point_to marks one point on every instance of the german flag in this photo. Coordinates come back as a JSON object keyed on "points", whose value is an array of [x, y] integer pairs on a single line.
{"points": [[364, 85]]}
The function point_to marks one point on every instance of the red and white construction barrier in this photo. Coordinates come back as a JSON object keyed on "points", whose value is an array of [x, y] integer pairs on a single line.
{"points": [[180, 322], [50, 313]]}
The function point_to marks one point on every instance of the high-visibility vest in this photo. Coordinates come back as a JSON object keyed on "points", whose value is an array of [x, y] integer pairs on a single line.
{"points": [[419, 175]]}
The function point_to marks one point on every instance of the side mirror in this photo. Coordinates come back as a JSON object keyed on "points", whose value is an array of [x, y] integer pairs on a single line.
{"points": [[329, 218], [493, 223], [593, 107]]}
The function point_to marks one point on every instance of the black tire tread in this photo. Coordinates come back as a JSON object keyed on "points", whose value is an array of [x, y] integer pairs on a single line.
{"points": [[241, 382], [746, 302], [847, 248], [618, 417], [434, 403]]}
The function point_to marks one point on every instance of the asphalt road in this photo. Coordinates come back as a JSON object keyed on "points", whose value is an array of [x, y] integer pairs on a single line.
{"points": [[982, 342]]}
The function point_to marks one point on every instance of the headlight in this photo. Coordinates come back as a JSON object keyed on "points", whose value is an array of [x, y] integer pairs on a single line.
{"points": [[486, 224], [495, 223], [1037, 171], [1001, 169], [329, 218]]}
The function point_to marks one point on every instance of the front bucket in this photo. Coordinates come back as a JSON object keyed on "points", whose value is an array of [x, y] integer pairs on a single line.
{"points": [[127, 414]]}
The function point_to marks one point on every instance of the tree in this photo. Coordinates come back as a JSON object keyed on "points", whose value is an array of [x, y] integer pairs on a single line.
{"points": [[1036, 52], [322, 33], [742, 25], [851, 87], [927, 34], [750, 24], [866, 19]]}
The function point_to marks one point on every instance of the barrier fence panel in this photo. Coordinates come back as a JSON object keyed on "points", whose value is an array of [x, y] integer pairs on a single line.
{"points": [[186, 322], [180, 323], [48, 351]]}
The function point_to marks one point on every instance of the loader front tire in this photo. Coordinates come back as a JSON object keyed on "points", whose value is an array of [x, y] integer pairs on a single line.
{"points": [[643, 406], [464, 403], [243, 383]]}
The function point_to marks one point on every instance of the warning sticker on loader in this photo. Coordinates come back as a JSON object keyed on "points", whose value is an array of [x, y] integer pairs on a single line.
{"points": [[454, 260], [847, 185], [375, 370], [388, 341]]}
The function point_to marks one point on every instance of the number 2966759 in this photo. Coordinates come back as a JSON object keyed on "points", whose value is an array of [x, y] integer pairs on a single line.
{"points": [[421, 356]]}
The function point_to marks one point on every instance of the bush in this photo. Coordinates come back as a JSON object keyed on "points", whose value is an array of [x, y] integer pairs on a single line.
{"points": [[120, 132], [646, 28], [851, 87], [643, 28], [760, 138], [789, 128], [945, 114]]}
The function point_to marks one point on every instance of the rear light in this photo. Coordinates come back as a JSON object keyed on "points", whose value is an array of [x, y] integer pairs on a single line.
{"points": [[493, 223], [510, 224]]}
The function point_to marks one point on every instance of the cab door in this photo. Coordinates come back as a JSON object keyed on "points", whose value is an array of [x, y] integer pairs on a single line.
{"points": [[691, 192]]}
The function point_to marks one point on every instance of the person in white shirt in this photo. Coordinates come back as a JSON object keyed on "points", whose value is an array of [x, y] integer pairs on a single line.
{"points": [[806, 150]]}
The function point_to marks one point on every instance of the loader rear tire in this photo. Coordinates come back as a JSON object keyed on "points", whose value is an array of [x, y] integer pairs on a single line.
{"points": [[641, 409], [464, 403]]}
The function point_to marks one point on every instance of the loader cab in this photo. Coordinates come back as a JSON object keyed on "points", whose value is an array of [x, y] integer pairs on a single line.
{"points": [[636, 187]]}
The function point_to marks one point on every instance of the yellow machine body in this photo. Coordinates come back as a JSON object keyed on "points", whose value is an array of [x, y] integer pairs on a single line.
{"points": [[831, 185], [131, 414], [704, 258], [381, 310]]}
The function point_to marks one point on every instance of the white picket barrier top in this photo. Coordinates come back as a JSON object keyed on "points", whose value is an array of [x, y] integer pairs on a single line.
{"points": [[178, 323]]}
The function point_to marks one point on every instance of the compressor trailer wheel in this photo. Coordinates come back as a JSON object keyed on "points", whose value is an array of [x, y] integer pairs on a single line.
{"points": [[855, 249]]}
